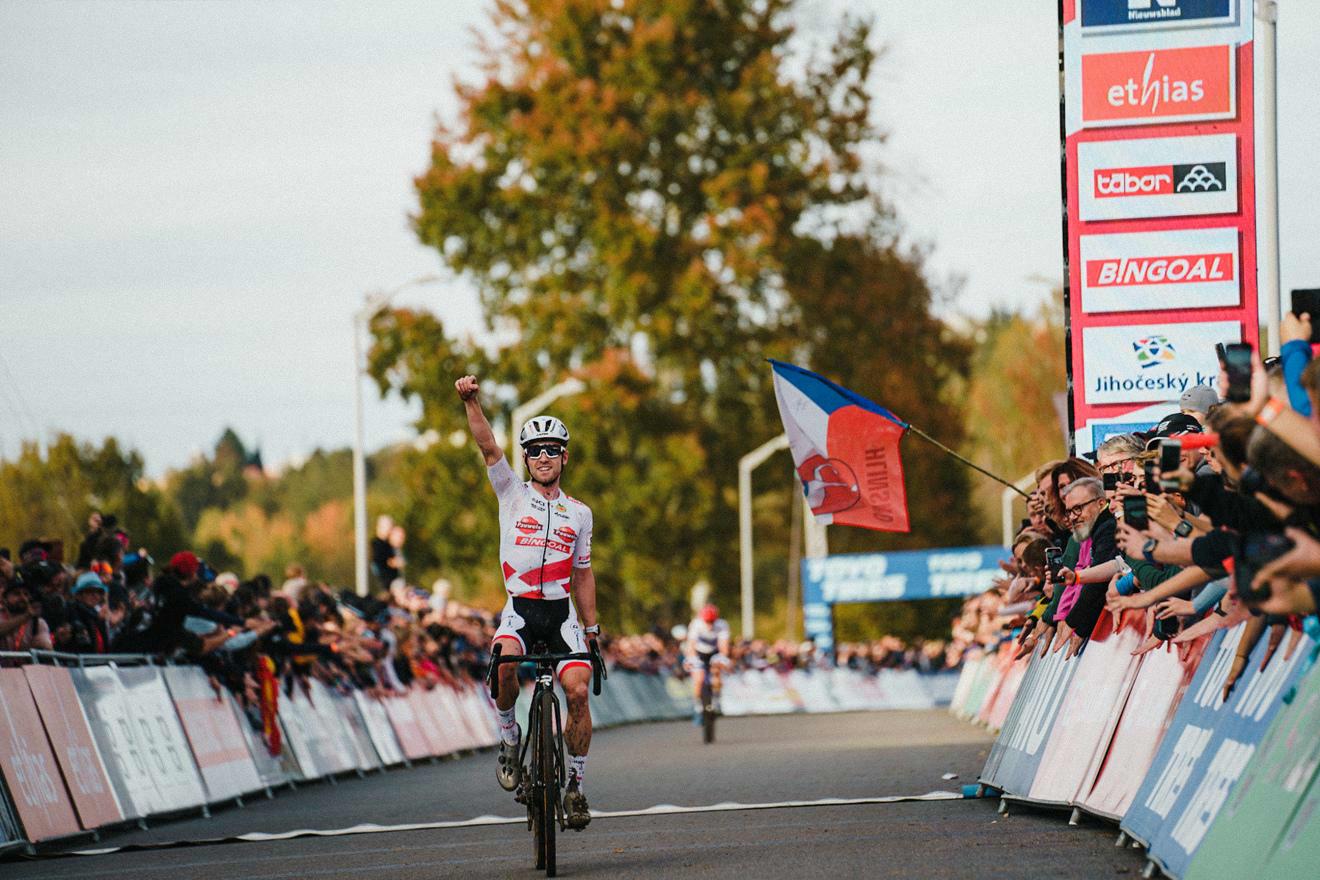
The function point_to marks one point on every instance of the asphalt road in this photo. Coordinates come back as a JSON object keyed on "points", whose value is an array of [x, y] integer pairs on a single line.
{"points": [[755, 761]]}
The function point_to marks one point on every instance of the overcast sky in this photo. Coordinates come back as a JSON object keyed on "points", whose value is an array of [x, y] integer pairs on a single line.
{"points": [[196, 196]]}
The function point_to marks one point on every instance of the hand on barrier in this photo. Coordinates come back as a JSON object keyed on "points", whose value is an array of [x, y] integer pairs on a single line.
{"points": [[1276, 636], [1174, 608], [1212, 622]]}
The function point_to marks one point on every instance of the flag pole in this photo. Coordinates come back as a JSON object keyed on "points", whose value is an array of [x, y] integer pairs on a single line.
{"points": [[931, 440]]}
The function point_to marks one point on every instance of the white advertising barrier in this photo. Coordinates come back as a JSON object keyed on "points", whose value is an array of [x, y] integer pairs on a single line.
{"points": [[407, 727], [355, 729], [217, 743], [962, 691], [1089, 712], [432, 720], [164, 743], [317, 740], [378, 728], [273, 769], [143, 746]]}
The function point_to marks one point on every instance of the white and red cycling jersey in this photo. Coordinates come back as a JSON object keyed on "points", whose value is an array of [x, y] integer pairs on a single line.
{"points": [[541, 541]]}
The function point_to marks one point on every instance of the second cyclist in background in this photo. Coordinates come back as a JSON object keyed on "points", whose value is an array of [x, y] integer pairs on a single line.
{"points": [[707, 641]]}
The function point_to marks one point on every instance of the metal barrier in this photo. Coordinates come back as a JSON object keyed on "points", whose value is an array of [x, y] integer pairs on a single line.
{"points": [[98, 741]]}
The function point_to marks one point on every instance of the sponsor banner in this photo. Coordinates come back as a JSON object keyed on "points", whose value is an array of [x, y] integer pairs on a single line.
{"points": [[1161, 680], [437, 728], [314, 727], [915, 574], [273, 770], [1103, 16], [1021, 743], [164, 746], [407, 727], [995, 714], [355, 727], [1269, 793], [1159, 85], [217, 742], [102, 699], [1251, 707], [378, 728], [1160, 271], [1090, 710], [1157, 177], [30, 770], [1151, 362], [75, 750], [1207, 747]]}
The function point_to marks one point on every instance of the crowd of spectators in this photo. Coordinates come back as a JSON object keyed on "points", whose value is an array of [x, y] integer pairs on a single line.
{"points": [[1207, 520]]}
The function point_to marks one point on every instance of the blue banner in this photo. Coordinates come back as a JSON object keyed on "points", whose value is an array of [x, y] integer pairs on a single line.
{"points": [[912, 574], [1156, 14], [1206, 748]]}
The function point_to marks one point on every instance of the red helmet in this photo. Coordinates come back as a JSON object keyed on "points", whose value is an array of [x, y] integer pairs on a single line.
{"points": [[710, 613]]}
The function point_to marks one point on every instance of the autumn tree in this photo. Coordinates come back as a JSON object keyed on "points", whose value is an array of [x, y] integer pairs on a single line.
{"points": [[656, 195]]}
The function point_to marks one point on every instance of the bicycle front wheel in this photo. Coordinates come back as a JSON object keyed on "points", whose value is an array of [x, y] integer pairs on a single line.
{"points": [[707, 711], [548, 771], [534, 785]]}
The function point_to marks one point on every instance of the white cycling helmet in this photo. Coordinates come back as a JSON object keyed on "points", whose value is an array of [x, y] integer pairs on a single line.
{"points": [[542, 428]]}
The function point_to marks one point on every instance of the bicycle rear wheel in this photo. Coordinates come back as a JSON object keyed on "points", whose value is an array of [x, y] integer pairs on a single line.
{"points": [[548, 772], [707, 710]]}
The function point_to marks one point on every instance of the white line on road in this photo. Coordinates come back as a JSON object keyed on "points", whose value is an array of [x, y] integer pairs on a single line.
{"points": [[658, 810]]}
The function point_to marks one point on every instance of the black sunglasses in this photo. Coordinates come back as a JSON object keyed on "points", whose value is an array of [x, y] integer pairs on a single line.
{"points": [[536, 450]]}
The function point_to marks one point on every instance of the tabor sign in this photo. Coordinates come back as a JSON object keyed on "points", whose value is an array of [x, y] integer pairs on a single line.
{"points": [[1157, 177], [1152, 361], [1158, 271], [1154, 14]]}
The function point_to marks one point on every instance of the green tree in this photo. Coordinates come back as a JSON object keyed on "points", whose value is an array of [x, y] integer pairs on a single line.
{"points": [[655, 195], [1009, 405], [50, 496]]}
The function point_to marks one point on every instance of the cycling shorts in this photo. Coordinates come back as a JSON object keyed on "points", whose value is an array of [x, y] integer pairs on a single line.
{"points": [[551, 622], [697, 663]]}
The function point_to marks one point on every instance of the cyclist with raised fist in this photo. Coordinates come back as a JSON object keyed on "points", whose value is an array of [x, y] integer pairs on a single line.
{"points": [[545, 557]]}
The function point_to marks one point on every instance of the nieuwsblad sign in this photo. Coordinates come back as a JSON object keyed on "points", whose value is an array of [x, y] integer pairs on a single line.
{"points": [[1161, 252]]}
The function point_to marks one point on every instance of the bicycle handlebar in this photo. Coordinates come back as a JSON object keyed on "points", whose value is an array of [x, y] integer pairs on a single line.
{"points": [[598, 671]]}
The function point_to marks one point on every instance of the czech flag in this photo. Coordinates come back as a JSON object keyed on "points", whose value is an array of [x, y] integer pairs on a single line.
{"points": [[846, 451]]}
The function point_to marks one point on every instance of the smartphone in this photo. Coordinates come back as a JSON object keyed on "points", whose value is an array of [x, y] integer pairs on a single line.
{"points": [[1237, 364], [1165, 628], [1111, 482], [1219, 353], [1254, 552], [1134, 512], [1307, 302], [1054, 560], [1170, 461], [1152, 484]]}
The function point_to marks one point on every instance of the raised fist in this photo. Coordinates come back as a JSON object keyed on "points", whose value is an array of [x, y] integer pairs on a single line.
{"points": [[467, 387]]}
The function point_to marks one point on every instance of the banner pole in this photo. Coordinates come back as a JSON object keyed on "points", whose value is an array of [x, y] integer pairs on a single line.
{"points": [[1267, 166], [931, 440]]}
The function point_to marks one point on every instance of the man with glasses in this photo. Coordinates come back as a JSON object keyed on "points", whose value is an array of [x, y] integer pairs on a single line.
{"points": [[1079, 600], [545, 556], [1118, 455]]}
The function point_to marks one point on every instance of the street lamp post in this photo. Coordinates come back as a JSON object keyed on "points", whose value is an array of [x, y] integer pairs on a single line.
{"points": [[746, 465], [372, 303]]}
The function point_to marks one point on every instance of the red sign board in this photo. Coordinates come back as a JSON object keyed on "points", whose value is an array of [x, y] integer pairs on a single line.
{"points": [[1158, 85], [29, 766]]}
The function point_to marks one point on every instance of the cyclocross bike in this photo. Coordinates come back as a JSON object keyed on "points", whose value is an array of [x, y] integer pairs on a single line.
{"points": [[543, 748]]}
